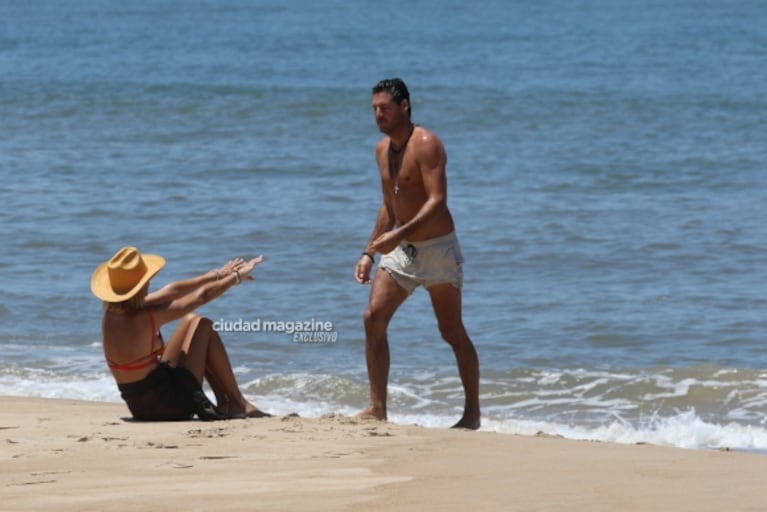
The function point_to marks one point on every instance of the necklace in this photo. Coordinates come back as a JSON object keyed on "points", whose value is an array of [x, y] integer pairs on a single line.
{"points": [[395, 159]]}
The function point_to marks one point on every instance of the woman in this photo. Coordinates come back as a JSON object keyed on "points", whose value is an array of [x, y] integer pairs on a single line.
{"points": [[159, 382]]}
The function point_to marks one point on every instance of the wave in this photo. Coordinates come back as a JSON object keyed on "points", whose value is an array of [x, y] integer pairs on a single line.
{"points": [[588, 405]]}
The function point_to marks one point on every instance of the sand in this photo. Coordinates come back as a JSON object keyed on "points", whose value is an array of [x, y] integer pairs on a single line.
{"points": [[66, 455]]}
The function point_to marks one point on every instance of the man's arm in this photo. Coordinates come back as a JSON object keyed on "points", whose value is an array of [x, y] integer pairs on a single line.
{"points": [[385, 220], [432, 162], [384, 223]]}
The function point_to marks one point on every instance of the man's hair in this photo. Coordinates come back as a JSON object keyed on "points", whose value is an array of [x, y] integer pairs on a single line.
{"points": [[398, 90]]}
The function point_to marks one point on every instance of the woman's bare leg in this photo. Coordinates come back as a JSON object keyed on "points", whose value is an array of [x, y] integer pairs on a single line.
{"points": [[197, 347], [218, 371]]}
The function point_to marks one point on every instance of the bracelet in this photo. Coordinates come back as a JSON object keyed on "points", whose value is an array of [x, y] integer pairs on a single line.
{"points": [[218, 274], [237, 278], [369, 256]]}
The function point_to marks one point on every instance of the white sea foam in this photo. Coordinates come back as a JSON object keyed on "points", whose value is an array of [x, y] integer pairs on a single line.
{"points": [[685, 430], [579, 412]]}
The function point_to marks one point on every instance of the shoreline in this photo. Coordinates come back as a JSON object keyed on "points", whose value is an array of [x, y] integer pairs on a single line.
{"points": [[69, 455]]}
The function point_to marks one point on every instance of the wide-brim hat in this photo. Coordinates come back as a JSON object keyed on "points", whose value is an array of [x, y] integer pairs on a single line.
{"points": [[123, 276]]}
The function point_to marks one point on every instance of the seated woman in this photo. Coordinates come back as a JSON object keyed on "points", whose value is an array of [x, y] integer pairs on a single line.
{"points": [[159, 382]]}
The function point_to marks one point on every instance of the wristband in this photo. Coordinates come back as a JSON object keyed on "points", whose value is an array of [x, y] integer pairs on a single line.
{"points": [[237, 278], [369, 256]]}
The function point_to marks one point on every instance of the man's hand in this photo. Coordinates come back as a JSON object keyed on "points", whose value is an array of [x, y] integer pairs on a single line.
{"points": [[362, 269], [386, 243]]}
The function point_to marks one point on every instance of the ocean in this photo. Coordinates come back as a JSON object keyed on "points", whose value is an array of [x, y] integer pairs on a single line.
{"points": [[606, 171]]}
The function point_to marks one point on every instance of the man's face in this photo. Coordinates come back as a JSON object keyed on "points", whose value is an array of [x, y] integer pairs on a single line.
{"points": [[388, 113]]}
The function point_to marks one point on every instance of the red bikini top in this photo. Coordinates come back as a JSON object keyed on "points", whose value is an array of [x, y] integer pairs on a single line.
{"points": [[153, 354]]}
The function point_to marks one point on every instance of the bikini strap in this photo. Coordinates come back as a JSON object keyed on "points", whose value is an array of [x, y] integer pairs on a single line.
{"points": [[155, 331], [151, 321]]}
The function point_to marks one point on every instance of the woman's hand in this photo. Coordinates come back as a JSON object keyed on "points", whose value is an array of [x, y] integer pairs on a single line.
{"points": [[229, 267], [244, 268]]}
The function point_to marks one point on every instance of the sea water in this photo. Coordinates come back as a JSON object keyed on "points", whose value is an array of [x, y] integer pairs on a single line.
{"points": [[606, 170]]}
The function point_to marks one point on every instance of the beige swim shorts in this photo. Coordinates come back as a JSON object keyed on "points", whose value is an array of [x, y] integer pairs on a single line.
{"points": [[435, 261]]}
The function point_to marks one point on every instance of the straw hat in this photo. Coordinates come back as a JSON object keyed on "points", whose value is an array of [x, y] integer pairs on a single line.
{"points": [[125, 274]]}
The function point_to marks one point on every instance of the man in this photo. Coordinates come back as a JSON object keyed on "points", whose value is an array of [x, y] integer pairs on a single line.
{"points": [[415, 233]]}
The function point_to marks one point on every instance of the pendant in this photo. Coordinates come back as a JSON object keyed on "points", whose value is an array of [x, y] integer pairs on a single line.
{"points": [[396, 189]]}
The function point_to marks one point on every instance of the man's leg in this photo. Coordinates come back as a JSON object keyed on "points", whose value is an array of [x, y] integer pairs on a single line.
{"points": [[385, 297], [446, 301]]}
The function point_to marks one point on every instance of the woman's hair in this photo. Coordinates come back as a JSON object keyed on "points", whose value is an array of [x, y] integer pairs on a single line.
{"points": [[398, 90], [135, 303]]}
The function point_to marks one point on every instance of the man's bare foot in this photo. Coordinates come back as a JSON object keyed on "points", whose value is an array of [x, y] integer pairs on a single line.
{"points": [[468, 423], [372, 413]]}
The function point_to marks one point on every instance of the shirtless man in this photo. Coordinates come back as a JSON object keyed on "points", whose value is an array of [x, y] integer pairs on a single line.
{"points": [[415, 233]]}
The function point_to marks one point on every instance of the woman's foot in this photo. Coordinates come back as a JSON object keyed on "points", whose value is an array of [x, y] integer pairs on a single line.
{"points": [[204, 408], [245, 410]]}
